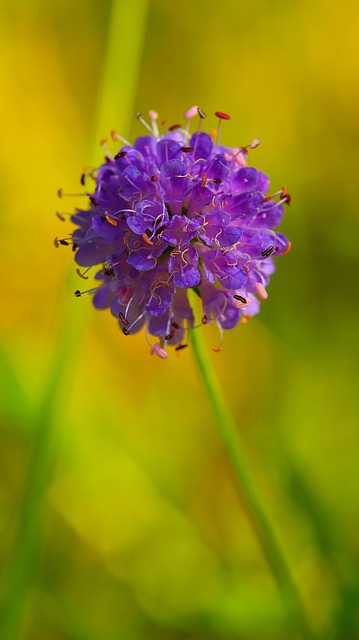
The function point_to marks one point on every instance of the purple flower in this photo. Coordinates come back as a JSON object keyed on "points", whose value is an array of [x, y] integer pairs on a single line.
{"points": [[174, 212]]}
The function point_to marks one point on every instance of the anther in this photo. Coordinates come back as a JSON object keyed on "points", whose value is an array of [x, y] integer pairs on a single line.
{"points": [[60, 216], [154, 178], [78, 293], [261, 291], [255, 143], [115, 136], [268, 251], [204, 320], [158, 351], [204, 180], [108, 271], [180, 347], [74, 246], [222, 116], [170, 334], [216, 180], [82, 179], [216, 349], [186, 149], [287, 249], [285, 195], [125, 331], [240, 298], [190, 113], [93, 201], [81, 275], [123, 319], [146, 239], [175, 325], [201, 113], [56, 242], [111, 221], [174, 127], [120, 154]]}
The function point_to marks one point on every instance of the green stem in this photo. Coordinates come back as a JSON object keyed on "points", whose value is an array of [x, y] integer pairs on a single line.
{"points": [[260, 522], [116, 97]]}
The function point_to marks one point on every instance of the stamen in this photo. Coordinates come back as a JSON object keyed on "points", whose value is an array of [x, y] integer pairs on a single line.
{"points": [[170, 334], [204, 180], [255, 143], [285, 195], [190, 113], [268, 251], [111, 220], [216, 349], [82, 179], [154, 178], [287, 249], [173, 127], [139, 117], [240, 298], [61, 194], [157, 350], [146, 239], [123, 319], [64, 241], [153, 115], [186, 149], [180, 347], [115, 136], [60, 216], [204, 320], [107, 271], [82, 275], [202, 116], [222, 116], [78, 293], [109, 157], [120, 154], [261, 291]]}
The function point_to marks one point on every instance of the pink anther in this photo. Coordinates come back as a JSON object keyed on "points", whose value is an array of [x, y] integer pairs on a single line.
{"points": [[153, 115], [255, 143], [261, 291], [157, 349], [193, 111]]}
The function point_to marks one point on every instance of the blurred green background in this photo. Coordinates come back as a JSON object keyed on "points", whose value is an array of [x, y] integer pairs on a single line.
{"points": [[119, 516]]}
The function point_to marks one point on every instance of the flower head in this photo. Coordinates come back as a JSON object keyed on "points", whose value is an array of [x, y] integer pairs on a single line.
{"points": [[174, 212]]}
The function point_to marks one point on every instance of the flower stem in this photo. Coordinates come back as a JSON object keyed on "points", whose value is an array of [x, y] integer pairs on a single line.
{"points": [[259, 520], [115, 101]]}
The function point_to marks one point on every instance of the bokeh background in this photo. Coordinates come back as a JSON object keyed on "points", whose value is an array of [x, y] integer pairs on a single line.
{"points": [[119, 515]]}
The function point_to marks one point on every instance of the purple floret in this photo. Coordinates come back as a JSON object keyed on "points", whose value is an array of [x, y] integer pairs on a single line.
{"points": [[177, 212]]}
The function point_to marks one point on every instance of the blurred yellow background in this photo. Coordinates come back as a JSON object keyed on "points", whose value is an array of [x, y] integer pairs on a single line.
{"points": [[136, 529]]}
